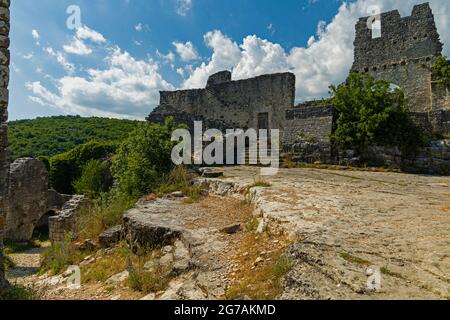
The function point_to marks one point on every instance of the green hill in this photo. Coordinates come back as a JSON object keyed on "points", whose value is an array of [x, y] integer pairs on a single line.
{"points": [[56, 135]]}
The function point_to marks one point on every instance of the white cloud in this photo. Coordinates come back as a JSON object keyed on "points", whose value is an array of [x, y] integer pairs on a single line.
{"points": [[259, 57], [28, 56], [226, 55], [186, 51], [325, 60], [127, 88], [85, 33], [169, 57], [183, 7], [36, 36], [61, 59], [78, 46], [139, 27]]}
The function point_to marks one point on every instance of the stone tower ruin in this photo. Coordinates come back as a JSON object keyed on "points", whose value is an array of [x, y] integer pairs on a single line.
{"points": [[4, 158], [404, 55]]}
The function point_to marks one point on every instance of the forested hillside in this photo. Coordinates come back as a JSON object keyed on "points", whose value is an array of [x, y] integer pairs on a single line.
{"points": [[55, 135]]}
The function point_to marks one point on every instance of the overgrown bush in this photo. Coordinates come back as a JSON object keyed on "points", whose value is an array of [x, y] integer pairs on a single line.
{"points": [[143, 159], [95, 179], [106, 212], [442, 70], [370, 112], [66, 168], [180, 179]]}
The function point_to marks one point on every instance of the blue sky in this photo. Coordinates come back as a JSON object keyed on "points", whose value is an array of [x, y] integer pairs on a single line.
{"points": [[125, 51]]}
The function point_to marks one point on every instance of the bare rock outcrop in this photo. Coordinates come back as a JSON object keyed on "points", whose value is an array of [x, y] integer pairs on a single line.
{"points": [[27, 198], [31, 204]]}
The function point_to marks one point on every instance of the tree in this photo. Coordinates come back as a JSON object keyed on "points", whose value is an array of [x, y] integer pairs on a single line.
{"points": [[143, 159], [95, 180], [66, 168], [371, 112]]}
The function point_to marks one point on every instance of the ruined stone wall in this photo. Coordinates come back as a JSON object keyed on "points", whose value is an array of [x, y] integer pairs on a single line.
{"points": [[27, 198], [440, 96], [403, 55], [433, 122], [67, 220], [4, 158], [231, 104], [310, 123], [307, 132]]}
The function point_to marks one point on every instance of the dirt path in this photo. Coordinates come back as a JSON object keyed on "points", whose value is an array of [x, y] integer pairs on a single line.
{"points": [[26, 264]]}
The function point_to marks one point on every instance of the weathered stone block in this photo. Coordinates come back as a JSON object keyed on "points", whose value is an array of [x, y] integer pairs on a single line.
{"points": [[27, 198], [110, 237]]}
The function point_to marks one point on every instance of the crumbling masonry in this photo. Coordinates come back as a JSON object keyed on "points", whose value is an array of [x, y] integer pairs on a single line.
{"points": [[4, 159], [404, 55]]}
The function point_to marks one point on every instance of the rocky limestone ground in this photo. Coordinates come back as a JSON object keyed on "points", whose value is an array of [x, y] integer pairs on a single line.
{"points": [[334, 226], [352, 221], [206, 243]]}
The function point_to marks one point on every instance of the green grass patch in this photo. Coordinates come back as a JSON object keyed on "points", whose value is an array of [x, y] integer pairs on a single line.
{"points": [[353, 259], [18, 293], [385, 271], [180, 179], [60, 256]]}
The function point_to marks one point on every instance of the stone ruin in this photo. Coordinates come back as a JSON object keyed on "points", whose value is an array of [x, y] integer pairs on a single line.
{"points": [[32, 205], [4, 156], [404, 55]]}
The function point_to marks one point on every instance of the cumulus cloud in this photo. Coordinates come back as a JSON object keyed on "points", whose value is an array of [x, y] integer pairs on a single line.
{"points": [[186, 51], [85, 33], [78, 46], [127, 88], [226, 55], [326, 59]]}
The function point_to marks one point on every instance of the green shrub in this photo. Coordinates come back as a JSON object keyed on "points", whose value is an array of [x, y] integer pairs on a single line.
{"points": [[58, 257], [371, 113], [95, 179], [143, 159], [442, 70], [66, 168], [18, 293]]}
